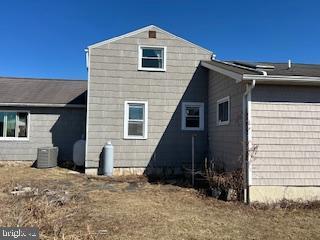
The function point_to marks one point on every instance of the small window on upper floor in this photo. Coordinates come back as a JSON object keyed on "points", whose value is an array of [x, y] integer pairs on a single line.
{"points": [[152, 58], [223, 111]]}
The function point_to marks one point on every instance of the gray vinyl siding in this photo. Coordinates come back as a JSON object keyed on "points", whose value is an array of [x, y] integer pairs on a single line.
{"points": [[225, 142], [114, 79], [48, 127], [286, 135]]}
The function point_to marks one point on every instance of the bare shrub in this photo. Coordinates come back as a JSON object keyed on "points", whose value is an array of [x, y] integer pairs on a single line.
{"points": [[287, 204], [224, 181]]}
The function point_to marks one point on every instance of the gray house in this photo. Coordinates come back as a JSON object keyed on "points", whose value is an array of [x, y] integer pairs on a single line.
{"points": [[152, 94], [40, 113], [166, 104]]}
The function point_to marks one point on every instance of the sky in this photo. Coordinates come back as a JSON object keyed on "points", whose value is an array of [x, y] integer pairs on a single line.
{"points": [[46, 38]]}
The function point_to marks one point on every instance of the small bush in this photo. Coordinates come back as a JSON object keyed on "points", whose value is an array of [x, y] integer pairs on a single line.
{"points": [[224, 181]]}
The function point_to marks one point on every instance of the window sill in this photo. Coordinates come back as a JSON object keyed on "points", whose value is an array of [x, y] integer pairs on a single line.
{"points": [[223, 123], [192, 129], [14, 139], [151, 69], [134, 138]]}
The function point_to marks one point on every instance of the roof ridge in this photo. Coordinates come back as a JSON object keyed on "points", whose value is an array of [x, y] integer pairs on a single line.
{"points": [[44, 79]]}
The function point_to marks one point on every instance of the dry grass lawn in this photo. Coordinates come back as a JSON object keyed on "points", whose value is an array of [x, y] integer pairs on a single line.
{"points": [[104, 208]]}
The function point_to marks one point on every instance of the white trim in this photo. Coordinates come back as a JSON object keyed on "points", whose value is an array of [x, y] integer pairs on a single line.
{"points": [[278, 79], [219, 101], [231, 74], [87, 110], [126, 120], [58, 105], [3, 139], [142, 30], [249, 138], [201, 116], [164, 66]]}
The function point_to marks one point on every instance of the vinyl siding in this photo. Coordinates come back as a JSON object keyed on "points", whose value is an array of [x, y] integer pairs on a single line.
{"points": [[114, 79], [286, 134], [225, 142], [48, 127]]}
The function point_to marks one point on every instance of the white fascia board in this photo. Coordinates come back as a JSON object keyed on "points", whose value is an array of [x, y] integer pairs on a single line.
{"points": [[231, 74], [279, 79], [42, 105], [146, 29]]}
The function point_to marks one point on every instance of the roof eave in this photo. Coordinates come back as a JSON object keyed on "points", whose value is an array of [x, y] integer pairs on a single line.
{"points": [[54, 105], [282, 80], [231, 74]]}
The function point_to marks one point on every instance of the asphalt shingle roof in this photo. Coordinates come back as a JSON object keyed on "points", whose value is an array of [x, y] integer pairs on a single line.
{"points": [[43, 91], [281, 69], [297, 69]]}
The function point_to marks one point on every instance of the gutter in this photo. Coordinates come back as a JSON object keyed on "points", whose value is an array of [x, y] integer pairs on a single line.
{"points": [[280, 79], [56, 105]]}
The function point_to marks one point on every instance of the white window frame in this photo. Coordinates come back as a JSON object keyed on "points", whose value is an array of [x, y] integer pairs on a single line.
{"points": [[201, 116], [223, 100], [5, 126], [126, 120], [164, 65]]}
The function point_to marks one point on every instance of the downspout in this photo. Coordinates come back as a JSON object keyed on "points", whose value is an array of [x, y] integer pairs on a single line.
{"points": [[87, 109], [247, 137]]}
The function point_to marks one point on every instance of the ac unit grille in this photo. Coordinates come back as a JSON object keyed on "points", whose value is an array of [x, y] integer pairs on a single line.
{"points": [[47, 157]]}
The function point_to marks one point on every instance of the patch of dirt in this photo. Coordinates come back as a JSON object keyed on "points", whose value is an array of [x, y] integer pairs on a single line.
{"points": [[74, 206]]}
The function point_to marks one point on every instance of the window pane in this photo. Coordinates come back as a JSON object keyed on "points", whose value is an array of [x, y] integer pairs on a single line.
{"points": [[135, 129], [11, 124], [135, 112], [149, 52], [1, 123], [192, 111], [223, 111], [152, 63], [22, 124], [193, 122]]}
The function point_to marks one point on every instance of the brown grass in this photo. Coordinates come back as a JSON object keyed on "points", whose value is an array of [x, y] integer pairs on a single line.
{"points": [[105, 208]]}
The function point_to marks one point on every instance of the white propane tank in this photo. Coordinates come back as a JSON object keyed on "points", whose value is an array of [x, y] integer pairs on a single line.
{"points": [[108, 159], [79, 149]]}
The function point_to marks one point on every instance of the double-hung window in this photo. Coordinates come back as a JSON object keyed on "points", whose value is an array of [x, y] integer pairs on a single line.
{"points": [[136, 120], [152, 58], [14, 125], [192, 116], [223, 111]]}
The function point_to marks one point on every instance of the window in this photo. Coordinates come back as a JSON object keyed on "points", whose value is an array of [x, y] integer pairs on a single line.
{"points": [[14, 125], [192, 116], [136, 120], [223, 111], [152, 58]]}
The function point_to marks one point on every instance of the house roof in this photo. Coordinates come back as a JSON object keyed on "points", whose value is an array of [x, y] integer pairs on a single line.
{"points": [[271, 68], [296, 69], [153, 27], [42, 92], [229, 66]]}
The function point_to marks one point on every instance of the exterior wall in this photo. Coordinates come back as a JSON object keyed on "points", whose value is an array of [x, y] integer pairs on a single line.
{"points": [[269, 194], [114, 78], [225, 142], [48, 127], [286, 135]]}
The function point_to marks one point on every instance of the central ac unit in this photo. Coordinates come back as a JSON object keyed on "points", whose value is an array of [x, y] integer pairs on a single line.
{"points": [[47, 157]]}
